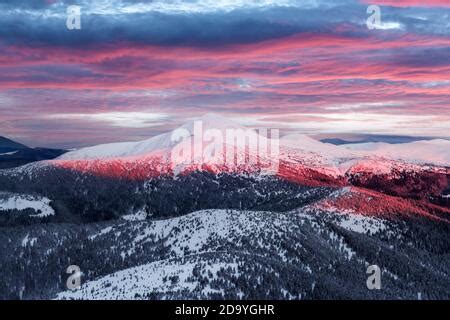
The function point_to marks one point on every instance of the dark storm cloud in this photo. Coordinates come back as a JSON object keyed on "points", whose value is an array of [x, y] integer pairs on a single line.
{"points": [[43, 22], [35, 26]]}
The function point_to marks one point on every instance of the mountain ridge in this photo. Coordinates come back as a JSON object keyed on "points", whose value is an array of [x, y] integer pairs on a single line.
{"points": [[14, 154], [8, 145], [437, 150]]}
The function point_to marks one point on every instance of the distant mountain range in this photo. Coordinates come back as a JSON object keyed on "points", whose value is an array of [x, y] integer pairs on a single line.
{"points": [[341, 139], [14, 154]]}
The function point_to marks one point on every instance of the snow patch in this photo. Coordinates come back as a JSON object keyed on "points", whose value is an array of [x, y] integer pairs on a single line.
{"points": [[21, 202], [138, 216], [362, 224], [28, 241]]}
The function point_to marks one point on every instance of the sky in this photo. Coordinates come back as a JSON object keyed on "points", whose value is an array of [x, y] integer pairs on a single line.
{"points": [[139, 68]]}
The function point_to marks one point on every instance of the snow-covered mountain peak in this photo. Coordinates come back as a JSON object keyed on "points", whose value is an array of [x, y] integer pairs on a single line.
{"points": [[163, 142], [293, 146]]}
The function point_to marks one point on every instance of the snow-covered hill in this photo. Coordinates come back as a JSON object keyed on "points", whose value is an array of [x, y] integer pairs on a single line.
{"points": [[161, 143], [203, 242], [254, 255]]}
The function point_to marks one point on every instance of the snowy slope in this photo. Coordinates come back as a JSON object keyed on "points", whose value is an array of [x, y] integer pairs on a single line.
{"points": [[9, 201], [157, 277], [224, 242], [122, 149], [161, 142]]}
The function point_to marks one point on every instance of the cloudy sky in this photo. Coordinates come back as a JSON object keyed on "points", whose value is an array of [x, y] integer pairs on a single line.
{"points": [[138, 68]]}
